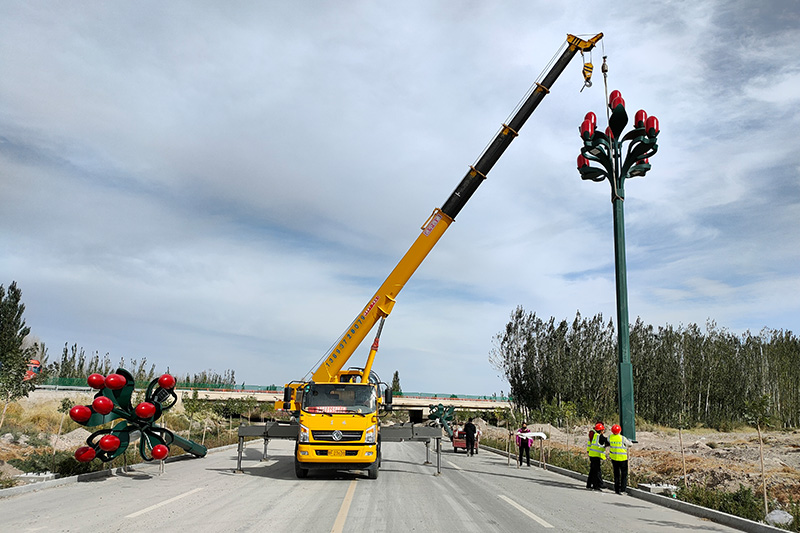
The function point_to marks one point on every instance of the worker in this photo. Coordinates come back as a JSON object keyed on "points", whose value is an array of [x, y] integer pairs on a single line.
{"points": [[470, 430], [597, 453], [524, 443], [618, 453]]}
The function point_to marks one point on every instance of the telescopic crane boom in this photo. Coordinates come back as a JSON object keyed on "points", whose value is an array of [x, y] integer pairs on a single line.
{"points": [[382, 302], [336, 411]]}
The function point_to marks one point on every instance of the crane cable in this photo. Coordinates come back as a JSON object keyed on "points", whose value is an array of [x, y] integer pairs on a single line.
{"points": [[604, 70], [534, 86], [614, 188]]}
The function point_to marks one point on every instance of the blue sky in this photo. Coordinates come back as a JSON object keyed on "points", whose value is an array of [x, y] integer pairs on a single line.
{"points": [[224, 186]]}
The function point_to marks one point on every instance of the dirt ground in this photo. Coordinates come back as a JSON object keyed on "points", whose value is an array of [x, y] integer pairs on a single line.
{"points": [[713, 458]]}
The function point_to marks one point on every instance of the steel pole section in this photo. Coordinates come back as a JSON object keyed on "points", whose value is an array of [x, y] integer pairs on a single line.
{"points": [[624, 367]]}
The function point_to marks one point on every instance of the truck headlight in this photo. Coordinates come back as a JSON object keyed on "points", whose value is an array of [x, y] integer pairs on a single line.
{"points": [[303, 435], [369, 435]]}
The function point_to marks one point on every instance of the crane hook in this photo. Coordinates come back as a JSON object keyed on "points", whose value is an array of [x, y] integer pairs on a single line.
{"points": [[587, 72]]}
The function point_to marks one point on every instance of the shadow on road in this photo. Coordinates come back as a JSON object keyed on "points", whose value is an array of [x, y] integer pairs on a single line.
{"points": [[543, 482], [630, 506], [282, 468], [138, 476], [677, 525]]}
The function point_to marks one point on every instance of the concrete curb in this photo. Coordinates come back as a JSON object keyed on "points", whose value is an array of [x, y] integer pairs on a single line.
{"points": [[92, 476], [33, 487], [664, 501]]}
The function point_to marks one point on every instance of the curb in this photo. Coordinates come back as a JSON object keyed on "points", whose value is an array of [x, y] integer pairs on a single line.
{"points": [[92, 476], [672, 503], [33, 487]]}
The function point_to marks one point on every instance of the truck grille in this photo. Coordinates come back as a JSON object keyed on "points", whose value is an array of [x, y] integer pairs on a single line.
{"points": [[346, 436]]}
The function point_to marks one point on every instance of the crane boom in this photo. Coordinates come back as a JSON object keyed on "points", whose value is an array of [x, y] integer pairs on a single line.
{"points": [[382, 302]]}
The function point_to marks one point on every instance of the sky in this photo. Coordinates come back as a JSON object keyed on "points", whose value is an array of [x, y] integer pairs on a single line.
{"points": [[224, 185]]}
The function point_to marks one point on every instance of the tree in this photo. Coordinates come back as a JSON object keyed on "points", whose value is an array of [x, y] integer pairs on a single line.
{"points": [[14, 356], [757, 414], [396, 383], [64, 408], [193, 406]]}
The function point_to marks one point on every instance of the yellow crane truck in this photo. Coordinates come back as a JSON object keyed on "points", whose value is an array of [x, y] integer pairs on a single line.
{"points": [[337, 409]]}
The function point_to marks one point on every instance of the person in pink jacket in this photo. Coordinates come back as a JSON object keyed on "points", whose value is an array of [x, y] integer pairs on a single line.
{"points": [[524, 443]]}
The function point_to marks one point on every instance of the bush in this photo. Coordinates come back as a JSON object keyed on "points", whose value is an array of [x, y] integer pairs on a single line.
{"points": [[7, 482], [742, 503], [64, 464], [794, 509]]}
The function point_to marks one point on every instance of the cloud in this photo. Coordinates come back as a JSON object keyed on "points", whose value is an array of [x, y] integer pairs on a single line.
{"points": [[212, 187]]}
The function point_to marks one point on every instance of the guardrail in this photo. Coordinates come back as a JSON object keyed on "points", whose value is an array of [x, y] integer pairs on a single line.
{"points": [[435, 397]]}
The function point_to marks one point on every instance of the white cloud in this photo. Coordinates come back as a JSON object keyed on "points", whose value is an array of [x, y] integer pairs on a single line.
{"points": [[217, 188]]}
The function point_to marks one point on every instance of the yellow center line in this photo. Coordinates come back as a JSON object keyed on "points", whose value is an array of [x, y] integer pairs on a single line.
{"points": [[341, 518]]}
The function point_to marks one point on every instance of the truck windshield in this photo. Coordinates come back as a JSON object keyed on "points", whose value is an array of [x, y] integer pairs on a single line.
{"points": [[340, 398]]}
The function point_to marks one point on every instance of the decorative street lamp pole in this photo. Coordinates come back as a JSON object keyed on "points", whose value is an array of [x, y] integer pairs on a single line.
{"points": [[605, 149]]}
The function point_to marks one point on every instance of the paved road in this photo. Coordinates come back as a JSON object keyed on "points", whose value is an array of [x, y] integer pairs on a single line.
{"points": [[473, 494]]}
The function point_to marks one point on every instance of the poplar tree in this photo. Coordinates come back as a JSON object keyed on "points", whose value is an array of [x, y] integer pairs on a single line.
{"points": [[396, 382], [14, 356]]}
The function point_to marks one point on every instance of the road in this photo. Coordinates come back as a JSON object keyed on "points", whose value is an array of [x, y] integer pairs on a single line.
{"points": [[473, 494]]}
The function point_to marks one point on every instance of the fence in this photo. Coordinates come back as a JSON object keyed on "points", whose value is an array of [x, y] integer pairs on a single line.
{"points": [[274, 389]]}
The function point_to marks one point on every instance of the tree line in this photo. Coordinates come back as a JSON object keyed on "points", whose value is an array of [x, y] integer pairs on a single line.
{"points": [[74, 363], [683, 375], [18, 347]]}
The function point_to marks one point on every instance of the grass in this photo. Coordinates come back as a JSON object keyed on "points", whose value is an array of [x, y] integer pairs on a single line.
{"points": [[41, 417], [743, 502], [32, 424], [6, 482]]}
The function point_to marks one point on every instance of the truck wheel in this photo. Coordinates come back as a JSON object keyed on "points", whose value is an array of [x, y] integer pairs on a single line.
{"points": [[299, 471], [372, 471]]}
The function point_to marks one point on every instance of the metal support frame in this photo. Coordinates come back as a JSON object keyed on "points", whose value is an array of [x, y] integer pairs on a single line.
{"points": [[283, 430]]}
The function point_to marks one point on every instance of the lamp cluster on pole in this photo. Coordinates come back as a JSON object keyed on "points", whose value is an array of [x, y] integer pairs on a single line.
{"points": [[602, 158], [605, 148]]}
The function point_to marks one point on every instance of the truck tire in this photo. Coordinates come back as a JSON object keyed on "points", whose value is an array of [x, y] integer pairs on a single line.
{"points": [[372, 471], [299, 471]]}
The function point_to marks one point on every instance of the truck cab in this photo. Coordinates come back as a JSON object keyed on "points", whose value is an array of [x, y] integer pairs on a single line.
{"points": [[339, 428]]}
